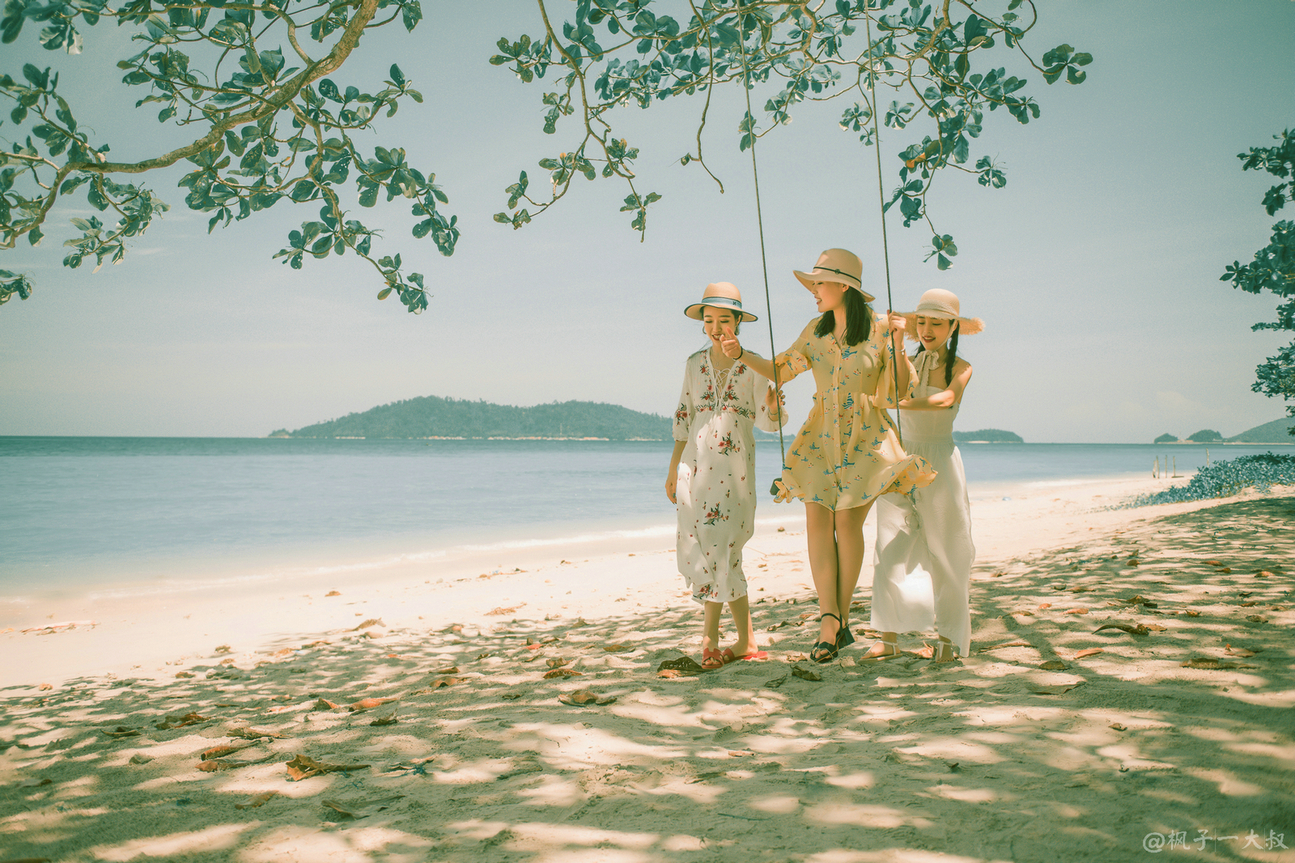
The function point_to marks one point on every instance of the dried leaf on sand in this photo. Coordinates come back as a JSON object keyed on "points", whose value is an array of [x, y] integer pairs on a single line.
{"points": [[224, 749], [806, 674], [348, 809], [1092, 651], [556, 662], [250, 733], [1138, 629], [121, 731], [1054, 688], [303, 767], [560, 673], [444, 681], [372, 621], [1208, 662], [680, 666], [386, 716], [256, 801], [368, 704], [180, 721], [586, 698]]}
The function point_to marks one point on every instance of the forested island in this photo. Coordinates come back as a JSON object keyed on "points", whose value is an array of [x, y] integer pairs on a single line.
{"points": [[434, 417], [1278, 431], [987, 436]]}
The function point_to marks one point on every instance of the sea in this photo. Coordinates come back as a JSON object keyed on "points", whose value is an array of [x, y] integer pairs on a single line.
{"points": [[113, 516]]}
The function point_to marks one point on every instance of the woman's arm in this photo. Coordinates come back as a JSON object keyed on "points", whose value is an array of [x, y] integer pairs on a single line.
{"points": [[897, 324], [672, 477], [733, 350], [945, 398]]}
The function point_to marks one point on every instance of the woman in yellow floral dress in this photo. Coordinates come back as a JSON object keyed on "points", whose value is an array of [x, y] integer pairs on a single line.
{"points": [[846, 455]]}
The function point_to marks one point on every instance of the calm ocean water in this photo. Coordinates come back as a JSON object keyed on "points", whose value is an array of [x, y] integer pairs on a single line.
{"points": [[87, 512]]}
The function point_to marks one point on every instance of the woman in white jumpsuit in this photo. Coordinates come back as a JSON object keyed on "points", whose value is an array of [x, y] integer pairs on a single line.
{"points": [[924, 548]]}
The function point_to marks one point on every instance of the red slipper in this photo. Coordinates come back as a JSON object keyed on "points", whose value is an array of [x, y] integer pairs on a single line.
{"points": [[713, 659], [754, 656]]}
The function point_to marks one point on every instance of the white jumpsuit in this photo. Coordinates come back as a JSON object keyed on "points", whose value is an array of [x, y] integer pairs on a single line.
{"points": [[924, 553]]}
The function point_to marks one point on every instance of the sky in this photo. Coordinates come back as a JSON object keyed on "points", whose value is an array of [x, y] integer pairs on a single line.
{"points": [[1095, 269]]}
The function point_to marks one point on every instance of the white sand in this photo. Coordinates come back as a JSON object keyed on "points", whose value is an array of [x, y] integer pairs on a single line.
{"points": [[993, 758]]}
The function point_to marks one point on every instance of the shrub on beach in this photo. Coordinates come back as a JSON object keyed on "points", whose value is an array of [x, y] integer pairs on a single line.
{"points": [[1225, 478]]}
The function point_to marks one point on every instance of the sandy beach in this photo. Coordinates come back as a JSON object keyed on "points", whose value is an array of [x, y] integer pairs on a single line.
{"points": [[1130, 692]]}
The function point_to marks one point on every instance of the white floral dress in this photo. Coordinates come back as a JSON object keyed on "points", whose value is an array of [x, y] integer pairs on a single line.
{"points": [[715, 488]]}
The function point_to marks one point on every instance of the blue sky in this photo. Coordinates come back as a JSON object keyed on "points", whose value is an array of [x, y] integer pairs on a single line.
{"points": [[1096, 268]]}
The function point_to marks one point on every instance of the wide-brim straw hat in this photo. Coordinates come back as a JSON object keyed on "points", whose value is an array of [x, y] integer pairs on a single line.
{"points": [[836, 265], [939, 303], [720, 295]]}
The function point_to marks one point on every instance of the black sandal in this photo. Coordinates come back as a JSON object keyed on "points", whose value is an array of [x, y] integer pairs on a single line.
{"points": [[825, 651], [844, 637]]}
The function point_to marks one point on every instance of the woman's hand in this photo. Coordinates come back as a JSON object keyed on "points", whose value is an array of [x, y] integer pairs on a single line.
{"points": [[728, 343], [774, 401], [897, 324], [670, 483]]}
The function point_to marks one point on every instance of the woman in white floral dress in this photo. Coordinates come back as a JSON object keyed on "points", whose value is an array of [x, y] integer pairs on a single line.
{"points": [[712, 470]]}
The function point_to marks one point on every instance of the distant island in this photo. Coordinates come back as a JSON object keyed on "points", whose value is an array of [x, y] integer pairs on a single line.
{"points": [[1281, 431], [987, 436], [433, 417]]}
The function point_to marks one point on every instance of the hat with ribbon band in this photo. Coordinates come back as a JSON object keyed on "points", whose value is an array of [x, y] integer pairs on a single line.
{"points": [[720, 295], [836, 265], [939, 303]]}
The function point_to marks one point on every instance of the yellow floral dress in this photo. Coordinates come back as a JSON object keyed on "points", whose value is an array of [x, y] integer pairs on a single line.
{"points": [[847, 454]]}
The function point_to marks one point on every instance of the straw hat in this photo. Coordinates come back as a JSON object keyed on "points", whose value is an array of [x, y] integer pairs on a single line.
{"points": [[720, 295], [837, 265], [939, 303]]}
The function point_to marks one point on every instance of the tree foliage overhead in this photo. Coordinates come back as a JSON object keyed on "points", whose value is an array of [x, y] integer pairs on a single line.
{"points": [[935, 69], [251, 86], [249, 81], [1273, 267]]}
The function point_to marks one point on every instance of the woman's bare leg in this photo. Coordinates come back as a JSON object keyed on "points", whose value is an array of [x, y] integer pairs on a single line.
{"points": [[820, 529], [710, 625], [740, 608], [888, 646], [849, 553]]}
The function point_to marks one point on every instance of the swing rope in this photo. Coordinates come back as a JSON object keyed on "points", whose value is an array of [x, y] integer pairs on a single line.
{"points": [[759, 215], [881, 200], [764, 262]]}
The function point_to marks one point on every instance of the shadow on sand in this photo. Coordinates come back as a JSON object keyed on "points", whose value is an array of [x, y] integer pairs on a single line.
{"points": [[1053, 741]]}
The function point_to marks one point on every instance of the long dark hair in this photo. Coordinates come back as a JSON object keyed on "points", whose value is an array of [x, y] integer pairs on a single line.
{"points": [[858, 319], [951, 358]]}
